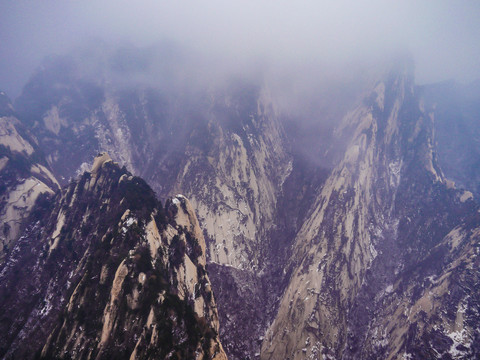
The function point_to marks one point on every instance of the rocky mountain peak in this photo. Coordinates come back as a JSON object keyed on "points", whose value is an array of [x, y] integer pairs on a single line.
{"points": [[118, 266], [368, 209], [371, 254], [185, 216], [99, 161]]}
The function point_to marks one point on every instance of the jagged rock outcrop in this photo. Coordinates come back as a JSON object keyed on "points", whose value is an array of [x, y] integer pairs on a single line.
{"points": [[226, 152], [365, 282], [24, 175], [292, 246], [234, 185], [105, 271]]}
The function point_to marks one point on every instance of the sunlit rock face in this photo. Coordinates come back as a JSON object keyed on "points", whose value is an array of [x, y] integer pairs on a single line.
{"points": [[105, 271], [24, 176], [384, 265]]}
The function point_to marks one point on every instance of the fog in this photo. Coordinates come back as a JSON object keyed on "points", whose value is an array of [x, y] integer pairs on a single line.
{"points": [[298, 43]]}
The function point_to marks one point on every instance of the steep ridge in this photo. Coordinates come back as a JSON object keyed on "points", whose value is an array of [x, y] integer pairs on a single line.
{"points": [[234, 187], [24, 175], [105, 271], [383, 213], [226, 151], [272, 218]]}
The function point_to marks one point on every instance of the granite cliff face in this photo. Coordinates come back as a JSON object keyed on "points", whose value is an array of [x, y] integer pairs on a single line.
{"points": [[376, 263], [24, 175], [226, 151], [373, 257], [105, 271]]}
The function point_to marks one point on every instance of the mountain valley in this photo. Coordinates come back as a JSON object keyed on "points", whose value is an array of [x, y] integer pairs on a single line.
{"points": [[363, 244]]}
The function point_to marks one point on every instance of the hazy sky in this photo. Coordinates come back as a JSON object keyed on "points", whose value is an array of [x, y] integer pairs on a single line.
{"points": [[443, 36]]}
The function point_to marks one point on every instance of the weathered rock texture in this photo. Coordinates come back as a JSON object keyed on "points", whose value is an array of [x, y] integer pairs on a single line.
{"points": [[388, 246], [24, 175], [105, 271], [332, 261], [226, 151]]}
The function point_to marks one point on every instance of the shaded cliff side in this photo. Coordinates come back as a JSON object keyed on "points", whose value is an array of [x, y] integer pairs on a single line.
{"points": [[376, 266], [105, 271], [24, 175]]}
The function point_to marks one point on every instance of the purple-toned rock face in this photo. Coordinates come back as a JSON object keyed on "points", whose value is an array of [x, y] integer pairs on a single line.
{"points": [[339, 240], [103, 270]]}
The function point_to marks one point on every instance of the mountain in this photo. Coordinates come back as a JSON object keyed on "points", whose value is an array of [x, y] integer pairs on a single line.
{"points": [[226, 151], [104, 270], [385, 265], [24, 175], [360, 243], [456, 109]]}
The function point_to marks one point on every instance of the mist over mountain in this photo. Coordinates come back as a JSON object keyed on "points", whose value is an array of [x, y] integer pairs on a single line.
{"points": [[235, 37], [239, 180]]}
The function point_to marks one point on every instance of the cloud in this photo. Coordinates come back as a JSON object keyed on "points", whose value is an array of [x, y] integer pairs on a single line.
{"points": [[237, 36]]}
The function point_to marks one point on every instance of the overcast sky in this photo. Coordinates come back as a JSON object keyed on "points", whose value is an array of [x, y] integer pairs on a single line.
{"points": [[442, 36]]}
